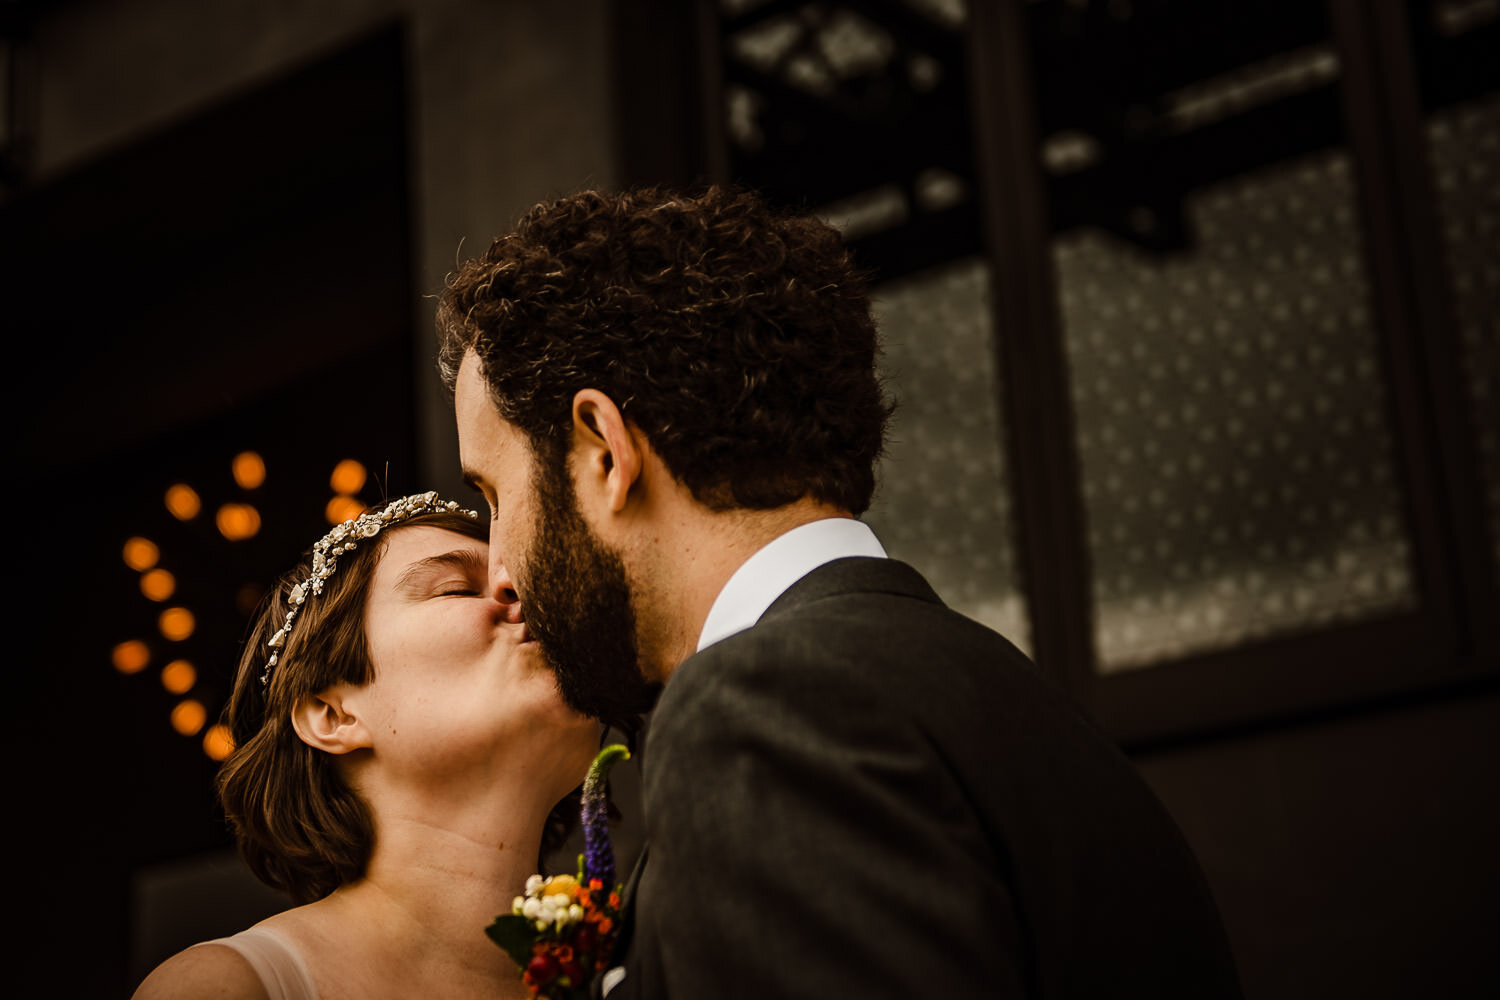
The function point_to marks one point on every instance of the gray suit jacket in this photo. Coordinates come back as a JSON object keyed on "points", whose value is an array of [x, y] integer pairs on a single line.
{"points": [[870, 795]]}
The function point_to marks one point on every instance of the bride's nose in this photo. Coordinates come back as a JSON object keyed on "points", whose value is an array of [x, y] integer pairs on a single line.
{"points": [[503, 591]]}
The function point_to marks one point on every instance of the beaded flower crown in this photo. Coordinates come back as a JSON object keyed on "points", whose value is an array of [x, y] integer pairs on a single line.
{"points": [[344, 538]]}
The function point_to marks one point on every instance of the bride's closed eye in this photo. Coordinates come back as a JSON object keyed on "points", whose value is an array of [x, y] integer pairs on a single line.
{"points": [[458, 590], [460, 573]]}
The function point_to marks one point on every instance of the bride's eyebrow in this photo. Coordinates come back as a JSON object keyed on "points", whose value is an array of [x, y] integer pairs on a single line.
{"points": [[467, 561]]}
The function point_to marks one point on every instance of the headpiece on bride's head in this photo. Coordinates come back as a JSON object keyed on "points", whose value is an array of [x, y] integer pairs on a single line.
{"points": [[345, 538]]}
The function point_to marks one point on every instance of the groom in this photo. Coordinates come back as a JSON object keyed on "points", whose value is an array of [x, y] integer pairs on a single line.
{"points": [[670, 403]]}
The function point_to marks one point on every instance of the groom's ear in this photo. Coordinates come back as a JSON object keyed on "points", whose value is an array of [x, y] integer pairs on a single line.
{"points": [[608, 451], [327, 721]]}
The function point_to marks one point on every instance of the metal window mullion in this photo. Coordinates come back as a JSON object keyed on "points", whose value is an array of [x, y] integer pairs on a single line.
{"points": [[1405, 256], [1051, 540]]}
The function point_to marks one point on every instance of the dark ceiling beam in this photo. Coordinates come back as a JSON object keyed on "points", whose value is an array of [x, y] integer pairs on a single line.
{"points": [[1138, 61], [907, 26], [827, 151]]}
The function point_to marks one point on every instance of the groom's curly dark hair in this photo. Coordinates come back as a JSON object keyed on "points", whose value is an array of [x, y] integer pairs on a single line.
{"points": [[737, 337]]}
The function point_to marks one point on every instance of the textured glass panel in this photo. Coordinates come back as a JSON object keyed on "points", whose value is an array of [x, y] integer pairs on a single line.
{"points": [[943, 503], [1464, 145], [1237, 465]]}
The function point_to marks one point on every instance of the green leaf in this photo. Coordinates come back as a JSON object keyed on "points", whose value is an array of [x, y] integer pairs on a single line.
{"points": [[515, 934]]}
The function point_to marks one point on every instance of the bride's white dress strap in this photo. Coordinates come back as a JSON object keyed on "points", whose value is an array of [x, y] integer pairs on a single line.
{"points": [[275, 961]]}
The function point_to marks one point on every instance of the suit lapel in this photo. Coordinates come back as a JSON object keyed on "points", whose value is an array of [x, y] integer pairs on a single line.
{"points": [[626, 929]]}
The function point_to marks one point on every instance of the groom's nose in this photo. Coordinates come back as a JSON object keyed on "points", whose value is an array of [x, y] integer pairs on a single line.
{"points": [[503, 590]]}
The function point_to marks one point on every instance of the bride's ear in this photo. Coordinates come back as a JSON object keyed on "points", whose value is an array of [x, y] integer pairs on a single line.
{"points": [[327, 722]]}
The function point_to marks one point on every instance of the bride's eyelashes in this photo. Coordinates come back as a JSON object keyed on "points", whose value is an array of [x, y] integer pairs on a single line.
{"points": [[457, 588]]}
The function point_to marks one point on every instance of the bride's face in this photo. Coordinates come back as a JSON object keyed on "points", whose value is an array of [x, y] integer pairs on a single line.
{"points": [[459, 692]]}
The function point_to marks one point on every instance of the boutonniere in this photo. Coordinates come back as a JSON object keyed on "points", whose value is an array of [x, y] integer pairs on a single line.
{"points": [[561, 931]]}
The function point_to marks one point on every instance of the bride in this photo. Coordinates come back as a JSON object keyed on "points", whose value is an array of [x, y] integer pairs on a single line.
{"points": [[400, 748]]}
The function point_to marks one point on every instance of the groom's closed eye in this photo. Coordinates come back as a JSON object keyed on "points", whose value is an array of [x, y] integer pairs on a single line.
{"points": [[473, 480]]}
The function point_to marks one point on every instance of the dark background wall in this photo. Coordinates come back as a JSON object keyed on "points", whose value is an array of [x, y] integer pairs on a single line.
{"points": [[221, 231]]}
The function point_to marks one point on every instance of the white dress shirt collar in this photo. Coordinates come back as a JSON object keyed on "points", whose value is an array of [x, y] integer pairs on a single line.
{"points": [[766, 575]]}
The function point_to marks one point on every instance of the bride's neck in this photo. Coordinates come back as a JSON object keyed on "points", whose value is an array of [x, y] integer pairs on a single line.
{"points": [[428, 893], [453, 872]]}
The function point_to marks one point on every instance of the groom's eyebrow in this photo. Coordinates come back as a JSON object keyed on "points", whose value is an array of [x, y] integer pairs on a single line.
{"points": [[466, 561]]}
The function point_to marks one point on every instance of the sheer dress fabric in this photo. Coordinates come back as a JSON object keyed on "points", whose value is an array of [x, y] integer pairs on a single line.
{"points": [[275, 961]]}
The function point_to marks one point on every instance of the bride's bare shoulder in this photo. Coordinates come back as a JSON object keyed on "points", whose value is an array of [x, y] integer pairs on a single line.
{"points": [[206, 972]]}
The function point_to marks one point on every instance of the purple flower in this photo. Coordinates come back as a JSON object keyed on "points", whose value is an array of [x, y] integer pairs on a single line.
{"points": [[598, 855]]}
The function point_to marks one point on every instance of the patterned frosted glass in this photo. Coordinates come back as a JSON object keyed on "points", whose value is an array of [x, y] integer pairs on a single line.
{"points": [[943, 503], [1236, 461]]}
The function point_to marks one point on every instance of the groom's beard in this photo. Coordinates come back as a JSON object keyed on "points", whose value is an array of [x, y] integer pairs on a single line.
{"points": [[577, 601]]}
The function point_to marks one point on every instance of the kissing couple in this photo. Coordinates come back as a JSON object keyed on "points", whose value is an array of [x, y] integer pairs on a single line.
{"points": [[669, 404]]}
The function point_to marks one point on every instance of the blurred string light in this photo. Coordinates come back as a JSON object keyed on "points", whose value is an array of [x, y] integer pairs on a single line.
{"points": [[183, 502], [157, 584], [188, 716], [238, 521], [341, 508], [217, 742], [131, 656], [140, 554], [249, 470], [347, 479], [179, 676], [235, 521], [176, 624]]}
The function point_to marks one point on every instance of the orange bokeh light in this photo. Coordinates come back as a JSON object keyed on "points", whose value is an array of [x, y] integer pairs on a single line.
{"points": [[131, 656], [183, 501], [342, 508], [158, 584], [238, 521], [189, 716], [217, 742], [140, 553], [176, 623], [348, 477], [179, 676], [249, 470]]}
